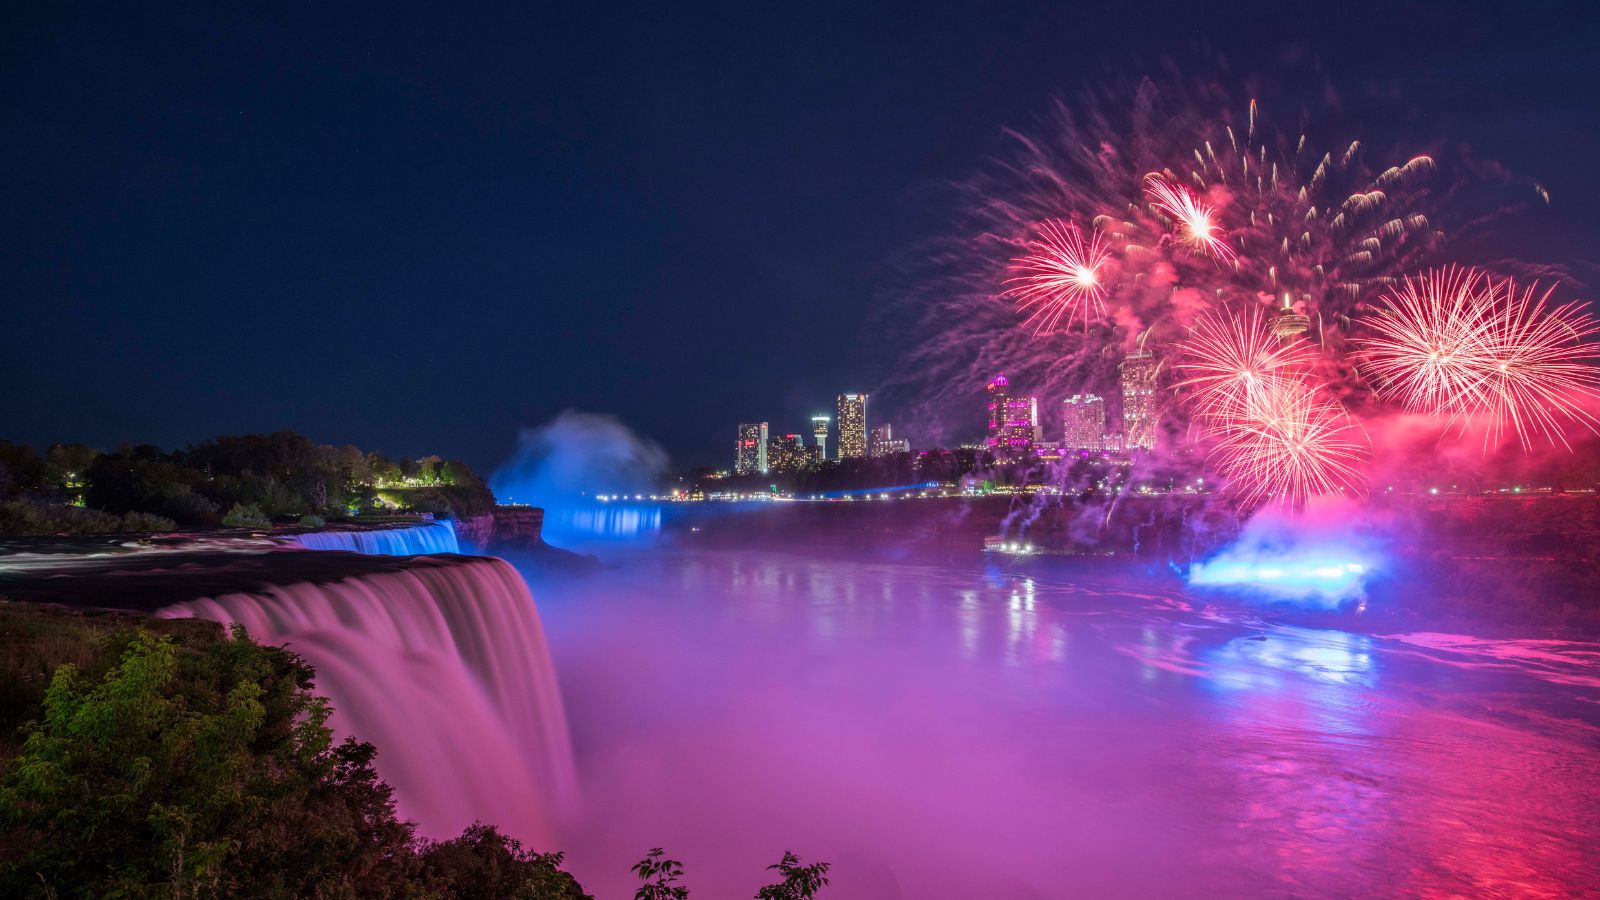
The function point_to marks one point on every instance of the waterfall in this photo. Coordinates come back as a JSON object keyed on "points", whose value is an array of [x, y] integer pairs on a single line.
{"points": [[406, 540], [580, 525], [443, 667]]}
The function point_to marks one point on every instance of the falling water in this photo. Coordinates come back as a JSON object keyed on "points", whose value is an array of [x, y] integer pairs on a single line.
{"points": [[569, 464], [443, 667], [580, 525], [410, 540]]}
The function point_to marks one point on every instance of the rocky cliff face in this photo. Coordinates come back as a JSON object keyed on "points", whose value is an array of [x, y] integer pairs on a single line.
{"points": [[475, 531], [524, 523], [517, 533], [507, 524]]}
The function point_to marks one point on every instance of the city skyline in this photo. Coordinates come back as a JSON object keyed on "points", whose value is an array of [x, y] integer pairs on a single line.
{"points": [[1013, 423]]}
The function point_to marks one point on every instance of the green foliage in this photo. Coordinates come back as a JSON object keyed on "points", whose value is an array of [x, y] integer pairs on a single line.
{"points": [[139, 522], [20, 518], [69, 460], [428, 469], [204, 773], [799, 882], [312, 520], [160, 760], [140, 481], [246, 515], [281, 474], [483, 864], [660, 876]]}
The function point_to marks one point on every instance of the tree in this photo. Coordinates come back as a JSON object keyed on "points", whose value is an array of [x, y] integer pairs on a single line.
{"points": [[246, 515], [384, 470], [660, 876], [483, 864], [428, 469], [799, 882], [195, 774]]}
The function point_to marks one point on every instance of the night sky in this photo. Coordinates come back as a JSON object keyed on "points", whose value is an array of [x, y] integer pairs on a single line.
{"points": [[419, 231]]}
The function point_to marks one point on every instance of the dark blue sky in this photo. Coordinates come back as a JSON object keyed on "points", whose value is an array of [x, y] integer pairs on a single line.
{"points": [[420, 230]]}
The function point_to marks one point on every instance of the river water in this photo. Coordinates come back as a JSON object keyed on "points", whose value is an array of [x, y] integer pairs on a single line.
{"points": [[946, 732]]}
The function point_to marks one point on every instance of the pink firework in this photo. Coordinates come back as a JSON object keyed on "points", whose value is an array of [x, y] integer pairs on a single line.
{"points": [[1287, 443], [1197, 222], [1231, 357], [1538, 375], [1431, 349], [1062, 276], [1484, 352]]}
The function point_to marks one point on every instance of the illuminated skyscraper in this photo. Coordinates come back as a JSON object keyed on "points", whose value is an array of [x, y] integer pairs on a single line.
{"points": [[786, 453], [1013, 421], [750, 454], [1085, 423], [819, 428], [884, 444], [1139, 401], [852, 426], [880, 434]]}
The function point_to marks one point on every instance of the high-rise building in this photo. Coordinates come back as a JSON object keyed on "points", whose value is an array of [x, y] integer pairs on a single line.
{"points": [[852, 426], [750, 454], [1013, 421], [1085, 423], [884, 443], [1139, 401], [787, 453], [880, 433], [819, 428]]}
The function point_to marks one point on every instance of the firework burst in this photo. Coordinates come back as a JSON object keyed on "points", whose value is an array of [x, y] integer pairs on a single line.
{"points": [[1287, 442], [1197, 222], [1062, 276], [1229, 358], [1169, 217], [1431, 348], [1484, 352], [1182, 200], [1541, 375]]}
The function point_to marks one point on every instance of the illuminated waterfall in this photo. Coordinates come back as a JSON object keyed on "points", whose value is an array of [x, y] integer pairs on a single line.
{"points": [[443, 667], [430, 537], [578, 525]]}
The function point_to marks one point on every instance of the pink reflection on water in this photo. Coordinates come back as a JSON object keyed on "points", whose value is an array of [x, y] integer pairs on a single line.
{"points": [[939, 733]]}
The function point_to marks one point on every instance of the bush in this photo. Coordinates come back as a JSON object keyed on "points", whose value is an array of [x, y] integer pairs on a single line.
{"points": [[147, 522], [312, 520], [20, 518], [246, 515], [181, 503]]}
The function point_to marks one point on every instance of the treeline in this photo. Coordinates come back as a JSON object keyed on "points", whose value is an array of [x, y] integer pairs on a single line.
{"points": [[245, 481], [962, 467], [898, 469], [162, 760]]}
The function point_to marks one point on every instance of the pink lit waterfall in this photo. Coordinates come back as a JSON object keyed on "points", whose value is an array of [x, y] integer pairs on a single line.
{"points": [[444, 668]]}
